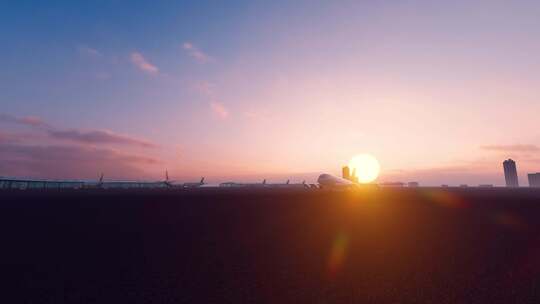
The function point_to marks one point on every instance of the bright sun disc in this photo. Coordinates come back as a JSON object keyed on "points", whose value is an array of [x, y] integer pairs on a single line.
{"points": [[366, 166]]}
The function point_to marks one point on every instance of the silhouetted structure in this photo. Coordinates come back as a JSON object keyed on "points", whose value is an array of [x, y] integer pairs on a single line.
{"points": [[412, 184], [346, 173], [485, 186], [534, 179], [510, 173], [353, 177]]}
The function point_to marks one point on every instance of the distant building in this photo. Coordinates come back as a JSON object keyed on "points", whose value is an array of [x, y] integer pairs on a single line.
{"points": [[412, 184], [485, 186], [346, 173], [510, 173], [463, 186], [444, 185], [534, 180]]}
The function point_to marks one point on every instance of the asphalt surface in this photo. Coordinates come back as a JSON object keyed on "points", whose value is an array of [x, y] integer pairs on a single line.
{"points": [[271, 246]]}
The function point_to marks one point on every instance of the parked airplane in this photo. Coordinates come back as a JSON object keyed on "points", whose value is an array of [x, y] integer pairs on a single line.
{"points": [[333, 182], [193, 185], [264, 184], [125, 184], [173, 184], [241, 185], [167, 183], [288, 184]]}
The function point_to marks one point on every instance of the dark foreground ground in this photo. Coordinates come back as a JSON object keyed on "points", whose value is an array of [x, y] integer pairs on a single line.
{"points": [[375, 246]]}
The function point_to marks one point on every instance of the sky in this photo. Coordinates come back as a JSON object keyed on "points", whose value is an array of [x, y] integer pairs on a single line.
{"points": [[438, 91]]}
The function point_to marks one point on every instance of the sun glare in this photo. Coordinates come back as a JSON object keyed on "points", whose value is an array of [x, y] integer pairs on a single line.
{"points": [[366, 167]]}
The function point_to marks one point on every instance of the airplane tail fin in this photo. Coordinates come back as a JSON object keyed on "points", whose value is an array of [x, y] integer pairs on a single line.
{"points": [[101, 178], [288, 181], [303, 182], [202, 181], [166, 175], [264, 182]]}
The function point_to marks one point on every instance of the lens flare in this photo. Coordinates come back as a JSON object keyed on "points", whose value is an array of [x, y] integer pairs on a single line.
{"points": [[337, 254]]}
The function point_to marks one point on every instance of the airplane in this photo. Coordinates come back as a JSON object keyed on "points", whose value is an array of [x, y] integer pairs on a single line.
{"points": [[172, 184], [124, 184], [264, 184], [244, 185], [328, 181], [288, 184], [100, 182], [193, 185], [167, 182]]}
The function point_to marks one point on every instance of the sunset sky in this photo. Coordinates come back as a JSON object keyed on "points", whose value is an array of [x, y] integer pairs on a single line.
{"points": [[438, 91]]}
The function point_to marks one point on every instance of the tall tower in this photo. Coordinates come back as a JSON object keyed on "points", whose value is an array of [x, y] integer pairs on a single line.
{"points": [[510, 173], [346, 173]]}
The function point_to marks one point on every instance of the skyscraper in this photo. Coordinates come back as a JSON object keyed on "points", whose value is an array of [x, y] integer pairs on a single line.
{"points": [[534, 180], [510, 173]]}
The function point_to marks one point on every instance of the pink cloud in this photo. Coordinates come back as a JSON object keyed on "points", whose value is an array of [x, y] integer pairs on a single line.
{"points": [[219, 109], [57, 161], [197, 54], [144, 65], [31, 121], [85, 137], [99, 136]]}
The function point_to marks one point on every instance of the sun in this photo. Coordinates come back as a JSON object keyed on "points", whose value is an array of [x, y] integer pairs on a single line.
{"points": [[366, 166]]}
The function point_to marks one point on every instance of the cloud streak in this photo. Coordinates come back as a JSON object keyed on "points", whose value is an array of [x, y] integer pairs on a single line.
{"points": [[31, 121], [77, 136], [99, 137], [143, 64], [58, 161], [219, 109], [511, 148], [196, 53]]}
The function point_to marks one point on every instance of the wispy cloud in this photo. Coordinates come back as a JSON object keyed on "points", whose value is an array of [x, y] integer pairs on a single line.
{"points": [[78, 136], [512, 148], [31, 121], [18, 137], [219, 109], [99, 137], [58, 161], [143, 64], [196, 53], [7, 138], [88, 51]]}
